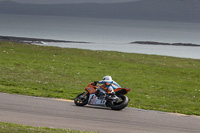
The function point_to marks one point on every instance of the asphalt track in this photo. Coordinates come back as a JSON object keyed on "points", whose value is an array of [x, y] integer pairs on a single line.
{"points": [[48, 112]]}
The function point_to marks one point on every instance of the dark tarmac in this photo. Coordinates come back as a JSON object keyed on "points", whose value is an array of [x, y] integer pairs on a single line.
{"points": [[49, 112]]}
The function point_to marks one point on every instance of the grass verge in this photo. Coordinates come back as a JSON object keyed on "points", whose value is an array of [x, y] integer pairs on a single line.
{"points": [[16, 128], [158, 82]]}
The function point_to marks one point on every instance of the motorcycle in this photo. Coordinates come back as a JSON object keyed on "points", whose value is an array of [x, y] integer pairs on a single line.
{"points": [[99, 96]]}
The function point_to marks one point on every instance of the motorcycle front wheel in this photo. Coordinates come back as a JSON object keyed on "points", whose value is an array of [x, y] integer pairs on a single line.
{"points": [[120, 104], [81, 99]]}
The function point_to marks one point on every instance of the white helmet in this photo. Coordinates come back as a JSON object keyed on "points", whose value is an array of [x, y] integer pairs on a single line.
{"points": [[108, 78]]}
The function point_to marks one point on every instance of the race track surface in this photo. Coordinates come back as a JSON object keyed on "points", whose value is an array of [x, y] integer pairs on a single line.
{"points": [[48, 112]]}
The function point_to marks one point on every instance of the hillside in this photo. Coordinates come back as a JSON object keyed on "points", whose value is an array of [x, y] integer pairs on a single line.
{"points": [[154, 10]]}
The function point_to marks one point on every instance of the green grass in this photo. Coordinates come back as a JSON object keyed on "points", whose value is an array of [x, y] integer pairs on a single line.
{"points": [[157, 82], [15, 128]]}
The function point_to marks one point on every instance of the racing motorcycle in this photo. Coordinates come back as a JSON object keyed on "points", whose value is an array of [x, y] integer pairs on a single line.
{"points": [[99, 96]]}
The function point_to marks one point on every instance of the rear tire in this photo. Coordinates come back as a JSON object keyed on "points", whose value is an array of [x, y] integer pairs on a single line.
{"points": [[81, 101], [119, 105]]}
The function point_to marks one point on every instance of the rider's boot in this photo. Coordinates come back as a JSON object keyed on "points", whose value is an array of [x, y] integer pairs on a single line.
{"points": [[112, 96]]}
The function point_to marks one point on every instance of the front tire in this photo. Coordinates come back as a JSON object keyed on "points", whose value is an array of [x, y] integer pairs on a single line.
{"points": [[81, 99], [121, 104]]}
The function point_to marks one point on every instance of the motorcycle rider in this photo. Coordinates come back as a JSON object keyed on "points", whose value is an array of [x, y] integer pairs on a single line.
{"points": [[110, 84]]}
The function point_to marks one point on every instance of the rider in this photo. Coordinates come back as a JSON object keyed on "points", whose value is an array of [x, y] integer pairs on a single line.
{"points": [[110, 84]]}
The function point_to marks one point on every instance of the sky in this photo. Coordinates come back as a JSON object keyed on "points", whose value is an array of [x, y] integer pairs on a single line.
{"points": [[68, 1]]}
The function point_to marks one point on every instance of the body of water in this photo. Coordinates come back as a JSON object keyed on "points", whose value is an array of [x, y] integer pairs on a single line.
{"points": [[106, 34], [175, 51]]}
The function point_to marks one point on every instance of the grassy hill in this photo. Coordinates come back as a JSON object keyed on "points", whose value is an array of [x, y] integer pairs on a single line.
{"points": [[157, 82]]}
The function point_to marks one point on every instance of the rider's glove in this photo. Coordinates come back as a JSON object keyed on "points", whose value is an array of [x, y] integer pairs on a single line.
{"points": [[95, 83]]}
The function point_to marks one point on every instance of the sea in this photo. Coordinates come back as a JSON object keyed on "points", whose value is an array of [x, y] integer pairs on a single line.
{"points": [[107, 34]]}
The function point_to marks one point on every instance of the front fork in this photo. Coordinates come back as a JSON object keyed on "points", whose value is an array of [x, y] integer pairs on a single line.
{"points": [[83, 96]]}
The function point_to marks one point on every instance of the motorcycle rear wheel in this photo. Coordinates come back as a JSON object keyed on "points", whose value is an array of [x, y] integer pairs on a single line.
{"points": [[119, 105], [81, 100]]}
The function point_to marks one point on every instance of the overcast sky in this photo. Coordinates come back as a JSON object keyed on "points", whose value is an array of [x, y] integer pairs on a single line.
{"points": [[68, 1]]}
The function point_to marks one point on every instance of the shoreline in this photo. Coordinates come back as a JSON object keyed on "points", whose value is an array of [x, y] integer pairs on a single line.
{"points": [[167, 44], [28, 40]]}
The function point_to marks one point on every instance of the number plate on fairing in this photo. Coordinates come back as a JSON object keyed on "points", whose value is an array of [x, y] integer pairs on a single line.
{"points": [[94, 100]]}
